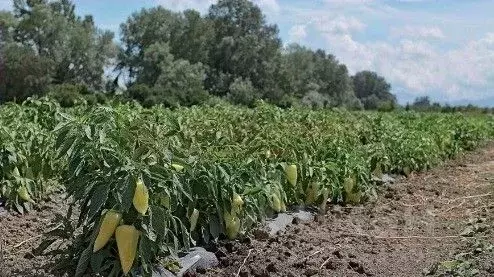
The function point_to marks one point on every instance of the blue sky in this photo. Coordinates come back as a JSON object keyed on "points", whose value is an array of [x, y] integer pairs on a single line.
{"points": [[441, 48]]}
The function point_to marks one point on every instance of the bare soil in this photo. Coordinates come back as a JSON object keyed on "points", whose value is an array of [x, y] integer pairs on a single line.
{"points": [[436, 223], [21, 234]]}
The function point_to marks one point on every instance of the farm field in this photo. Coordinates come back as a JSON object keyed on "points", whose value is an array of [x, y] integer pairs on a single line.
{"points": [[200, 175], [436, 223]]}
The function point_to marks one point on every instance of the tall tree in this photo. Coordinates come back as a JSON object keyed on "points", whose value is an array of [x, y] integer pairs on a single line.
{"points": [[3, 42], [77, 50], [244, 45], [187, 35], [173, 81], [317, 77], [141, 30], [373, 90], [192, 40], [162, 54], [23, 72]]}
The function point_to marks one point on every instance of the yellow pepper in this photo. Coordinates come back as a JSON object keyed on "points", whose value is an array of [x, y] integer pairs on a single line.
{"points": [[276, 202], [237, 203], [193, 219], [407, 171], [178, 167], [291, 174], [311, 193], [24, 194], [377, 172], [237, 200], [232, 224], [352, 196], [283, 206], [348, 185], [107, 228], [127, 239], [141, 197]]}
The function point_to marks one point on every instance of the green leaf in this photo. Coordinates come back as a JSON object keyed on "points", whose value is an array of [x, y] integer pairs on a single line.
{"points": [[205, 234], [62, 136], [127, 195], [87, 131], [185, 235], [115, 270], [64, 150], [158, 220], [180, 187], [251, 191], [83, 262], [102, 136], [43, 246], [27, 206], [19, 207], [148, 230], [214, 227], [100, 195], [97, 259], [147, 249]]}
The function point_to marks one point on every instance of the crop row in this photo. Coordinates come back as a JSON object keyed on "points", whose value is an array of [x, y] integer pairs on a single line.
{"points": [[170, 179]]}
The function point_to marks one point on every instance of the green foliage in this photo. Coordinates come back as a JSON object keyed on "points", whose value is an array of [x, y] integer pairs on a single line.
{"points": [[174, 59], [317, 78], [184, 81], [80, 59], [101, 151], [424, 104], [69, 95], [244, 45], [178, 59], [176, 35], [26, 151], [373, 91], [163, 80], [314, 99], [26, 73], [45, 43], [242, 92]]}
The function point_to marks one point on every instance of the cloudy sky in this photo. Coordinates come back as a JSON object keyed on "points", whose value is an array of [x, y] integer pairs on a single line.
{"points": [[441, 48]]}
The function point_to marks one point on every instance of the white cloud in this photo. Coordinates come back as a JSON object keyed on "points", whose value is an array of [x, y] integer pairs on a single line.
{"points": [[270, 6], [415, 55], [338, 25], [339, 2], [200, 5], [297, 33], [422, 68], [416, 48], [417, 65], [418, 32]]}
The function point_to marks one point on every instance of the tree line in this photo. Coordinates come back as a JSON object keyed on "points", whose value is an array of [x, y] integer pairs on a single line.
{"points": [[173, 58], [424, 104]]}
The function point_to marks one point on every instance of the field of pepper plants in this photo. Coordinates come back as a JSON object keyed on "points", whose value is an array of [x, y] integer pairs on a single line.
{"points": [[146, 183]]}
